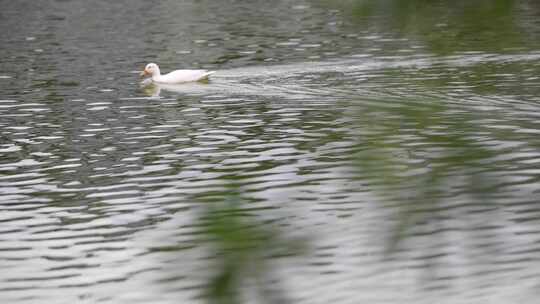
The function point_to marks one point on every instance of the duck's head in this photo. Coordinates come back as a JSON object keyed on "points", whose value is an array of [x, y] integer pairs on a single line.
{"points": [[151, 69]]}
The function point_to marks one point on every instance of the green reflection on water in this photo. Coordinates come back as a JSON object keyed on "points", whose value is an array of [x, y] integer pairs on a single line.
{"points": [[445, 27], [446, 162], [245, 248]]}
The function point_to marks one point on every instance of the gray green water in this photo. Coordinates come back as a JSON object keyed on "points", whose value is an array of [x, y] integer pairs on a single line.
{"points": [[399, 140]]}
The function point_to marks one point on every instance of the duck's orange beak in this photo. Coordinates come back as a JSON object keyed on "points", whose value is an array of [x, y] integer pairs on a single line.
{"points": [[144, 73]]}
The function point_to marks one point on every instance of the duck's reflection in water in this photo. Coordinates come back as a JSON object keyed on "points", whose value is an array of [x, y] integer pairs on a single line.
{"points": [[153, 89]]}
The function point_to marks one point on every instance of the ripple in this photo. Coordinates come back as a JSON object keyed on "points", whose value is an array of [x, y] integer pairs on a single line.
{"points": [[101, 186]]}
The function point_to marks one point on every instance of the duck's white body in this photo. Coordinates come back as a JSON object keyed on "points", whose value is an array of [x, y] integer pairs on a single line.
{"points": [[178, 76]]}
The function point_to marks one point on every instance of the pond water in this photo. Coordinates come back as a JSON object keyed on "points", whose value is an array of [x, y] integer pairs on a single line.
{"points": [[401, 140]]}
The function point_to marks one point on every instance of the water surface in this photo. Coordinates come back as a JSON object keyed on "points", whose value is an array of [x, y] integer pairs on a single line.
{"points": [[401, 140]]}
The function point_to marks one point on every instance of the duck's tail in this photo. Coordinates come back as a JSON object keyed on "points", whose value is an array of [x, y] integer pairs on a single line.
{"points": [[206, 75]]}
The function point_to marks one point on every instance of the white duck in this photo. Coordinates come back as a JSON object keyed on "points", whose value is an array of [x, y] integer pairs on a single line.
{"points": [[178, 76]]}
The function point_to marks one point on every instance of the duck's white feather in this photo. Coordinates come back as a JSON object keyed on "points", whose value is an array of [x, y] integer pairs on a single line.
{"points": [[180, 76]]}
